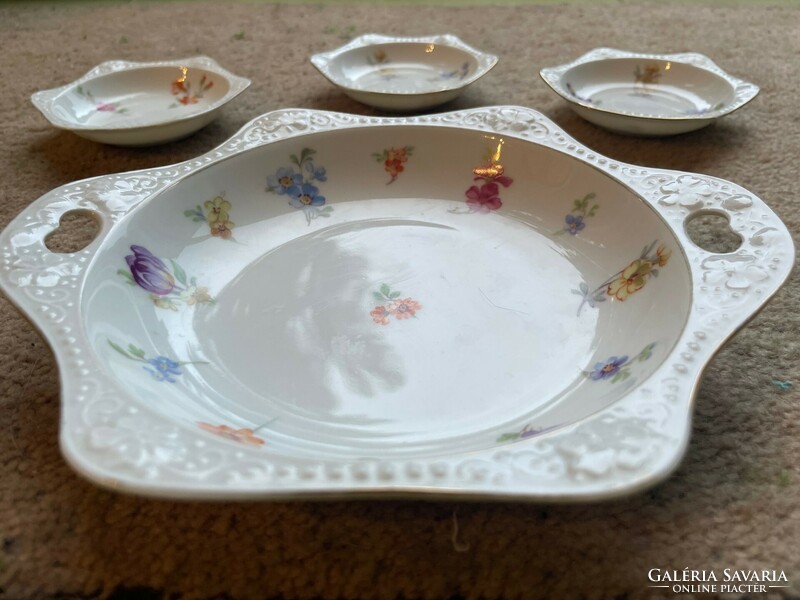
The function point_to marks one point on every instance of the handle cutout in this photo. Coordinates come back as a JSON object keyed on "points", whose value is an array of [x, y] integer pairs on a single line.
{"points": [[76, 230], [711, 231]]}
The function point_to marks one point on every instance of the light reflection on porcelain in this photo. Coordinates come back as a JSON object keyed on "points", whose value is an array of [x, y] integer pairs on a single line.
{"points": [[648, 94], [135, 104], [403, 73], [418, 407]]}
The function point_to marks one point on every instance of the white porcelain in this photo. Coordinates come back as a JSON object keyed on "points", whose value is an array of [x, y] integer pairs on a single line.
{"points": [[469, 304], [648, 94], [404, 73], [140, 104]]}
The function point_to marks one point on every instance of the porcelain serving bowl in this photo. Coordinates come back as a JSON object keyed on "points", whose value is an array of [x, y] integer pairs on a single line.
{"points": [[470, 303], [404, 73], [648, 94], [139, 104]]}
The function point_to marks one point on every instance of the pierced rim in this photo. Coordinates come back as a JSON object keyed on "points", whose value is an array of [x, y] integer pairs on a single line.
{"points": [[743, 91], [119, 441]]}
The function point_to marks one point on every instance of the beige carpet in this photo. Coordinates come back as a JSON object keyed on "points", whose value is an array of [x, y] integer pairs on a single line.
{"points": [[733, 504]]}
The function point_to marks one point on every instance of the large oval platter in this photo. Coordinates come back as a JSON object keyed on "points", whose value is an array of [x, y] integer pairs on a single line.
{"points": [[470, 304]]}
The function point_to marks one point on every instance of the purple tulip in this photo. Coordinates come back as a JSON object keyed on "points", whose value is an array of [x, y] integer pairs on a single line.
{"points": [[150, 272]]}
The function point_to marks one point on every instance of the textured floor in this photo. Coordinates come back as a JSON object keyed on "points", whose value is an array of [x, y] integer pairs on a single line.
{"points": [[732, 504]]}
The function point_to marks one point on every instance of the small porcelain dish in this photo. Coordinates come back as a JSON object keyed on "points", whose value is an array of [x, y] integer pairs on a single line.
{"points": [[648, 94], [140, 104], [468, 304], [404, 73]]}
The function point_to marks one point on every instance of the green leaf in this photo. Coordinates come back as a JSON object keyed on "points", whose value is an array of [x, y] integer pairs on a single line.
{"points": [[239, 35], [621, 375], [385, 290], [394, 295], [508, 437], [128, 277], [134, 351], [118, 349], [180, 274], [378, 297]]}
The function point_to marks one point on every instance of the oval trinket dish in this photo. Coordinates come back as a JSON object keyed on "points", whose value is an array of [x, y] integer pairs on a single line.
{"points": [[404, 73], [648, 94], [467, 304], [139, 104]]}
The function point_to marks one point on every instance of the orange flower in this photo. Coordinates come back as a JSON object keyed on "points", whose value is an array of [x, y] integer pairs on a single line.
{"points": [[663, 254], [222, 229], [380, 315], [178, 87], [631, 280], [402, 309], [243, 436]]}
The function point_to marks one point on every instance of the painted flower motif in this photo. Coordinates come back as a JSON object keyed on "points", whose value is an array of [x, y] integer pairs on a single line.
{"points": [[160, 368], [216, 213], [631, 280], [381, 315], [166, 286], [183, 88], [485, 198], [194, 295], [178, 87], [298, 186], [648, 74], [394, 160], [403, 309], [393, 306], [664, 255], [306, 195], [217, 209], [100, 105], [575, 221], [163, 368], [316, 173], [163, 302], [222, 230], [609, 368], [618, 368], [149, 272], [284, 180], [574, 224], [243, 436]]}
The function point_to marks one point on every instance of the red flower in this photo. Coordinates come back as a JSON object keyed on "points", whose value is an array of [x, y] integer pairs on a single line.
{"points": [[485, 198]]}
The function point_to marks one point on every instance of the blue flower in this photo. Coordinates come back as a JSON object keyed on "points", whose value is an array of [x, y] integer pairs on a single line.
{"points": [[164, 369], [305, 195], [574, 224], [607, 369], [316, 173], [284, 180]]}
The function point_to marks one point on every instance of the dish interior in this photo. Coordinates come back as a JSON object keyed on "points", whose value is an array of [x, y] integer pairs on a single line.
{"points": [[649, 87], [403, 68], [429, 290], [140, 97]]}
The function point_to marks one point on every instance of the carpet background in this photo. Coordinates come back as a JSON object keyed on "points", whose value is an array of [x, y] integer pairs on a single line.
{"points": [[732, 504]]}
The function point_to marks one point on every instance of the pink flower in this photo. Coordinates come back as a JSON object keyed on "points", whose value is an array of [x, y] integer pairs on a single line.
{"points": [[485, 198], [106, 107]]}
